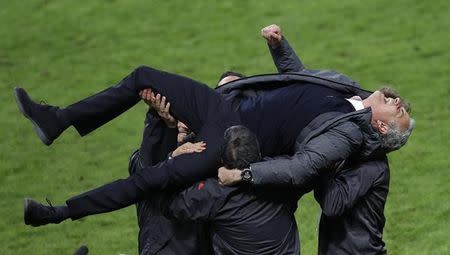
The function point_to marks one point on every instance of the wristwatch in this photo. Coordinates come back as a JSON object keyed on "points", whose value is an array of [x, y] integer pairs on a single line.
{"points": [[247, 175]]}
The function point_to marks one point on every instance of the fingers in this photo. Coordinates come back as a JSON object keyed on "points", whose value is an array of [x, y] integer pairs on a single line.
{"points": [[275, 37], [162, 104], [149, 98], [167, 107], [270, 29], [169, 116], [199, 147], [145, 93], [194, 147], [154, 101], [148, 94], [189, 148]]}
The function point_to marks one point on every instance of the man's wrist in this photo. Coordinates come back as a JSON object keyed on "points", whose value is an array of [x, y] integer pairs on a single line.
{"points": [[274, 46], [169, 123]]}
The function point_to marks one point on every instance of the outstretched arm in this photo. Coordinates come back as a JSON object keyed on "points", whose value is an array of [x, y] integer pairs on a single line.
{"points": [[284, 57], [319, 154]]}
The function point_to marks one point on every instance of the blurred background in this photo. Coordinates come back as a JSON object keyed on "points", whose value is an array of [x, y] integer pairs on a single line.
{"points": [[62, 51]]}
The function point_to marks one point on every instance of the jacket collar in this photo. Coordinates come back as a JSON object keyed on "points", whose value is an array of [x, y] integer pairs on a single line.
{"points": [[371, 147], [268, 81]]}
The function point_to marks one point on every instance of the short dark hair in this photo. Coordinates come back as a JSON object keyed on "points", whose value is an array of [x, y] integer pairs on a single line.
{"points": [[230, 73], [240, 148]]}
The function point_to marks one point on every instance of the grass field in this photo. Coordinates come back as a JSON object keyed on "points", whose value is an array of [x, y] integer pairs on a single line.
{"points": [[61, 51]]}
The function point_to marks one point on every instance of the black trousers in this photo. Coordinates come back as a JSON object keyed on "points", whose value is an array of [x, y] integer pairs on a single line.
{"points": [[198, 106]]}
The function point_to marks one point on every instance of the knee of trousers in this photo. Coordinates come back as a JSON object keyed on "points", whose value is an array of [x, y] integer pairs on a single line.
{"points": [[143, 77], [143, 69]]}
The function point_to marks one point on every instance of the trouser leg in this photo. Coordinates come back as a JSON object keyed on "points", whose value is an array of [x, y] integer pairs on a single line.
{"points": [[191, 101], [211, 115], [180, 171]]}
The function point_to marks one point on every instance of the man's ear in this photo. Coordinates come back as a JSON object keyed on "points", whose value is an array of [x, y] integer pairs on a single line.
{"points": [[382, 127]]}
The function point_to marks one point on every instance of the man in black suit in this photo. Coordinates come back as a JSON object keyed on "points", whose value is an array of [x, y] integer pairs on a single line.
{"points": [[268, 114]]}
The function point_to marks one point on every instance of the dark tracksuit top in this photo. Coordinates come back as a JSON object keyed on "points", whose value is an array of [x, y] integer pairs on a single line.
{"points": [[242, 220]]}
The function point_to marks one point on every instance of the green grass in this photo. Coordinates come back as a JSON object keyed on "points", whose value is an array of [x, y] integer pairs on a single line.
{"points": [[62, 51]]}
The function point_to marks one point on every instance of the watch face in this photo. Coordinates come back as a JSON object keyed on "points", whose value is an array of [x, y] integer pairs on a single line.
{"points": [[247, 175]]}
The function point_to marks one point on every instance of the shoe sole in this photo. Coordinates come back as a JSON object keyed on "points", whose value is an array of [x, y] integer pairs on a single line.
{"points": [[26, 201], [39, 132]]}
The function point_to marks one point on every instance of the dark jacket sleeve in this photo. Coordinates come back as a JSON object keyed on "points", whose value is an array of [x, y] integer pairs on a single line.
{"points": [[199, 202], [285, 59], [338, 192], [318, 154]]}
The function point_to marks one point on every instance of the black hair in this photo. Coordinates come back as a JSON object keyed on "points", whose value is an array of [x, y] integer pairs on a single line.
{"points": [[240, 148], [230, 73]]}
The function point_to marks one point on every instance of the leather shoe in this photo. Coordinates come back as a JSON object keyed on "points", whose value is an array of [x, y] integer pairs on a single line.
{"points": [[83, 250], [37, 214], [44, 118]]}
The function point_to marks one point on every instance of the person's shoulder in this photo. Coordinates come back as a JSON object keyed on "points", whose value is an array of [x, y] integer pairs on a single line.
{"points": [[331, 75], [349, 129]]}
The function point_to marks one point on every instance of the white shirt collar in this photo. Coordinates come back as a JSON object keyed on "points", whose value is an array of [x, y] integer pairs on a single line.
{"points": [[357, 104]]}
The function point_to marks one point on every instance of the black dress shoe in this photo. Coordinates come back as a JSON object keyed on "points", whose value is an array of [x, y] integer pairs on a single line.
{"points": [[37, 214], [83, 250], [44, 117]]}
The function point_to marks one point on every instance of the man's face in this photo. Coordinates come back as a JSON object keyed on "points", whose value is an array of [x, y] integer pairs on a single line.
{"points": [[386, 110], [227, 79]]}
